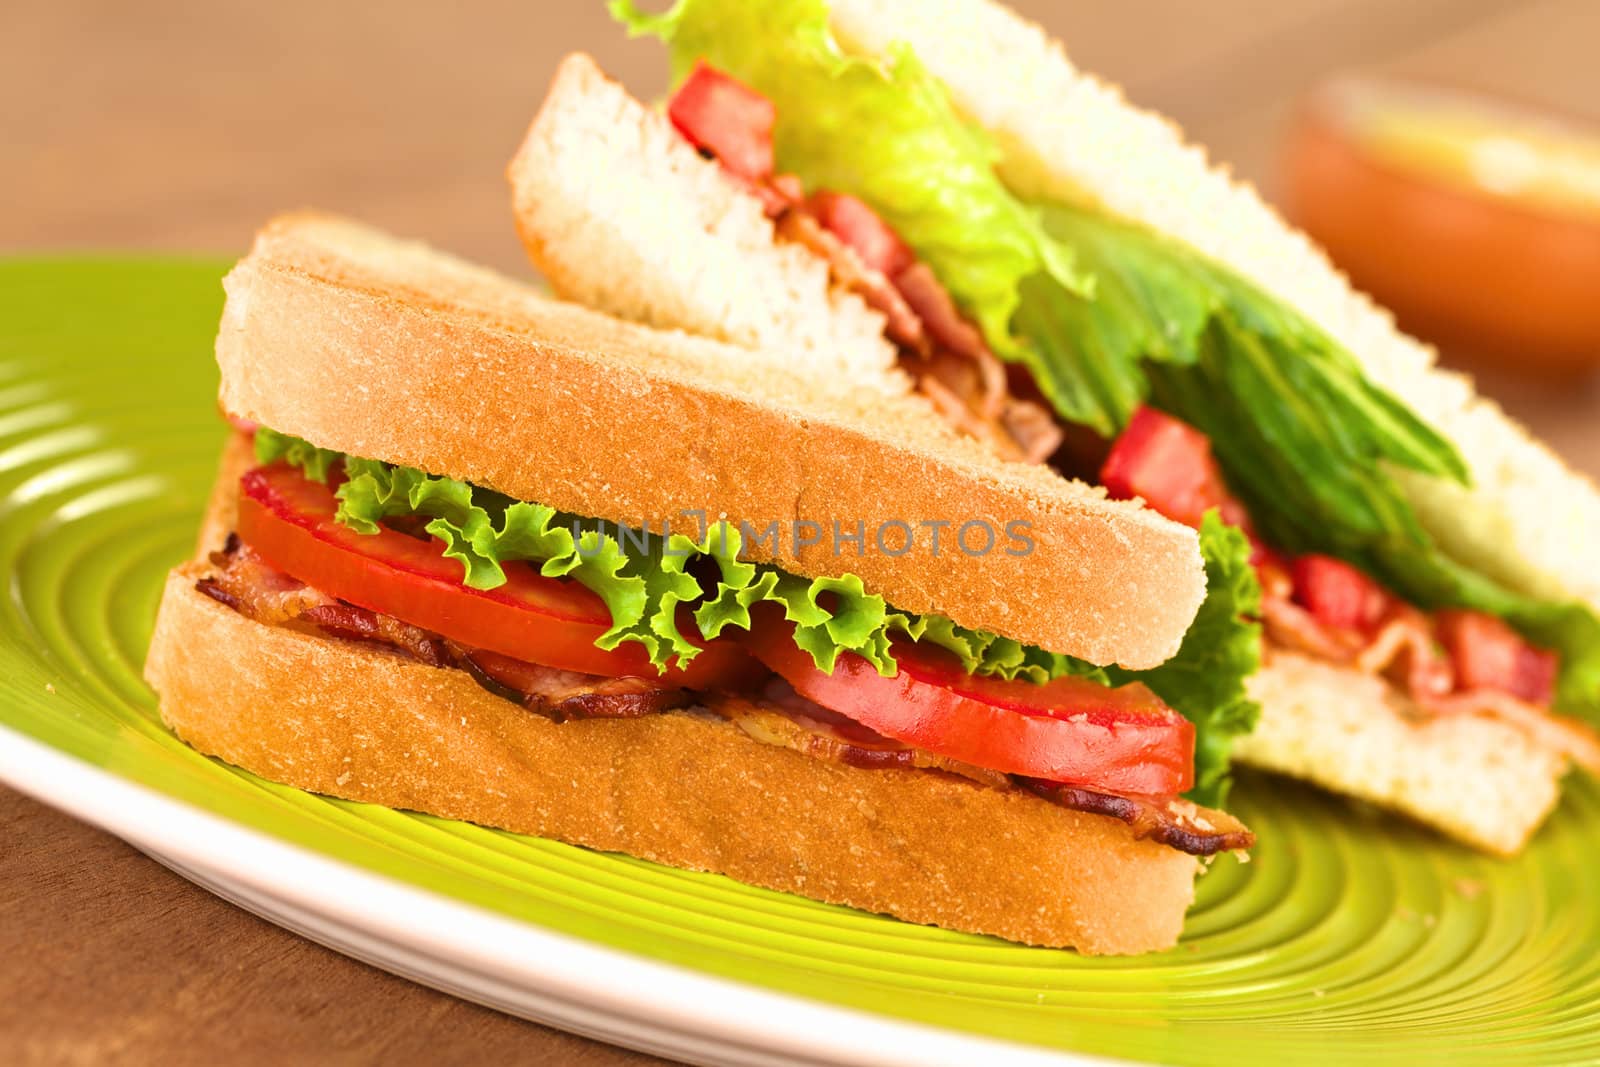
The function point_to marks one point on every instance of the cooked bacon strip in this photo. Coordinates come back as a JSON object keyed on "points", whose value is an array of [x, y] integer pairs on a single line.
{"points": [[1293, 627], [1033, 428], [787, 189], [1271, 572], [564, 695], [945, 324], [780, 716], [1020, 429], [359, 624], [777, 194], [851, 272], [1401, 648], [1404, 651], [1176, 822], [942, 352], [249, 585]]}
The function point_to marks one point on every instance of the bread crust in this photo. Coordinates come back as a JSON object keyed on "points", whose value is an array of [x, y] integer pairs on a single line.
{"points": [[381, 348], [679, 788]]}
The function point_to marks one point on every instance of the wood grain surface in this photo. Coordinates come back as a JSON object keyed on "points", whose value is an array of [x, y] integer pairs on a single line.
{"points": [[182, 125]]}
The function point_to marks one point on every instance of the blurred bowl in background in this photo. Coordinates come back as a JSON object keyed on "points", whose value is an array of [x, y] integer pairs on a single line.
{"points": [[1476, 221]]}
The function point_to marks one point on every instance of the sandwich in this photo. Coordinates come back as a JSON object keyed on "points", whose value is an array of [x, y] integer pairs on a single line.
{"points": [[932, 201], [481, 554]]}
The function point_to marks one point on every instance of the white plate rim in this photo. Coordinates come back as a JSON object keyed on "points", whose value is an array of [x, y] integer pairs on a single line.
{"points": [[511, 965]]}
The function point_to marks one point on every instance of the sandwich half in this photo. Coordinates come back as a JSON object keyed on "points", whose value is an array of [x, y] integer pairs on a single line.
{"points": [[477, 553], [930, 200]]}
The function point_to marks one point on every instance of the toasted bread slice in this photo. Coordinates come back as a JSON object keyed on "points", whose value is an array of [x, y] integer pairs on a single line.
{"points": [[683, 788], [386, 349]]}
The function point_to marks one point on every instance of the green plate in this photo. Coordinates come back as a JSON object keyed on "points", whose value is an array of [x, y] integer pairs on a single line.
{"points": [[1347, 938]]}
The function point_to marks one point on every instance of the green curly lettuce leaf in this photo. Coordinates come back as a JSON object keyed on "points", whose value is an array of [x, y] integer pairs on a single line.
{"points": [[832, 615], [314, 462], [644, 578]]}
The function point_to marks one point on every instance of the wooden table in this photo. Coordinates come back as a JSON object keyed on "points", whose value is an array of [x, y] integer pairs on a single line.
{"points": [[183, 125]]}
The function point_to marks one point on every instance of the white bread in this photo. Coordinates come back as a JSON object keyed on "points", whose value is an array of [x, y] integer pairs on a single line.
{"points": [[1477, 779], [676, 243], [381, 348], [687, 789], [1529, 520]]}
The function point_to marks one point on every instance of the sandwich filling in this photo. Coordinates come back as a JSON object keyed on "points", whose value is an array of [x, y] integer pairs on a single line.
{"points": [[555, 617], [1173, 379]]}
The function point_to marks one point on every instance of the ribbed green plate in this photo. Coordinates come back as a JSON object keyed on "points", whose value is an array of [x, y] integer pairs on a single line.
{"points": [[1347, 938]]}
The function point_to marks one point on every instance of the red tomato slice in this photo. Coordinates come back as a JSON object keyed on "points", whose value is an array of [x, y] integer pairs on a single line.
{"points": [[1337, 593], [289, 520], [726, 118], [1070, 730], [1169, 463], [1488, 654]]}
